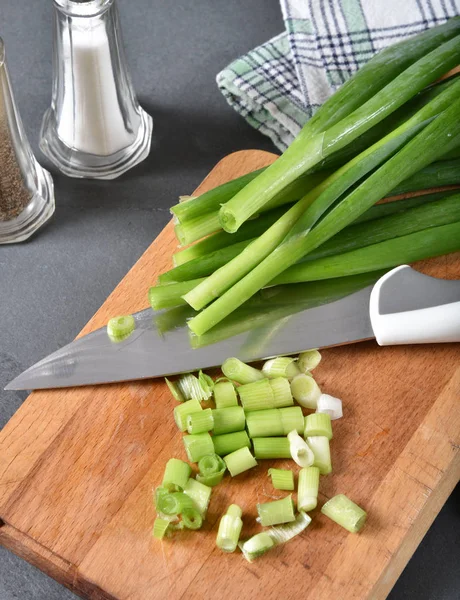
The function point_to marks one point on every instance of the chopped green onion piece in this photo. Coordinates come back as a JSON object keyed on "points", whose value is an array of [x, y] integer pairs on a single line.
{"points": [[345, 512], [281, 392], [199, 493], [200, 422], [212, 469], [271, 447], [207, 385], [318, 424], [305, 390], [322, 453], [177, 473], [175, 391], [225, 394], [282, 479], [274, 513], [193, 388], [307, 489], [257, 395], [300, 451], [198, 445], [182, 411], [230, 527], [256, 546], [184, 501], [229, 442], [329, 405], [239, 461], [283, 533], [227, 420], [240, 372], [274, 421], [158, 493], [167, 504], [119, 328], [192, 518], [160, 527], [308, 360], [283, 366]]}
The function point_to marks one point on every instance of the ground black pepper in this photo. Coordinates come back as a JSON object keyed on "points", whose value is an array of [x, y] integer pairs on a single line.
{"points": [[14, 195]]}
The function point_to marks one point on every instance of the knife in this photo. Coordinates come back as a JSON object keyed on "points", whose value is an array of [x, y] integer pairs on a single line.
{"points": [[402, 307]]}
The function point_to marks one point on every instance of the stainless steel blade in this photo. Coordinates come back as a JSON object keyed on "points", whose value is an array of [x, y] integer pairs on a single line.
{"points": [[95, 359]]}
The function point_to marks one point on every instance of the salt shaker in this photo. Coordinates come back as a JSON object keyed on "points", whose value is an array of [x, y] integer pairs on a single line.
{"points": [[26, 189], [95, 126]]}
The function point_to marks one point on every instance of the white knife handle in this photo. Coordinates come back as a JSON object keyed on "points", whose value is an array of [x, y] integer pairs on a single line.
{"points": [[407, 307]]}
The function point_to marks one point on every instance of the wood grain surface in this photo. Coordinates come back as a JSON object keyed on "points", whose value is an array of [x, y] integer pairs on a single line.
{"points": [[77, 469]]}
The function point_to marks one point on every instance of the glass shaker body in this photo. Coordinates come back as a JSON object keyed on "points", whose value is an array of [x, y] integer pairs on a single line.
{"points": [[95, 126], [26, 189]]}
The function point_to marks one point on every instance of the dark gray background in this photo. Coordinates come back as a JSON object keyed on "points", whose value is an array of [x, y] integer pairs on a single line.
{"points": [[51, 285]]}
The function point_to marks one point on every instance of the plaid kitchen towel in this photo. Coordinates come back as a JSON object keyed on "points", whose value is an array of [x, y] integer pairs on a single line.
{"points": [[279, 85]]}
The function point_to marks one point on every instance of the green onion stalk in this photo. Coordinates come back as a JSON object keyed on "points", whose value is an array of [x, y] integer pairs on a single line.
{"points": [[361, 103], [442, 133]]}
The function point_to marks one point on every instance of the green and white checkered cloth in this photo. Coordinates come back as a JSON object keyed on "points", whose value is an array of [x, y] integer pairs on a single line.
{"points": [[279, 85]]}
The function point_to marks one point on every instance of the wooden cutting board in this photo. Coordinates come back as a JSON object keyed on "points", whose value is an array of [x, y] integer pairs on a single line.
{"points": [[77, 468]]}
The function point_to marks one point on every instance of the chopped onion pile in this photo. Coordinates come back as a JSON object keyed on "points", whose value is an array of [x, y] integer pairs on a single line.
{"points": [[233, 437]]}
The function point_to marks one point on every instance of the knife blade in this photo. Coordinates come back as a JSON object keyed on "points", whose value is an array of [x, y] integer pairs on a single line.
{"points": [[282, 320]]}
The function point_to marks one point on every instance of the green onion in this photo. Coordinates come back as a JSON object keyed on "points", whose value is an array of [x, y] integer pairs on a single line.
{"points": [[192, 518], [318, 424], [158, 493], [119, 328], [199, 493], [271, 447], [283, 366], [182, 411], [225, 394], [199, 422], [227, 420], [230, 527], [239, 461], [176, 475], [212, 469], [257, 395], [276, 512], [240, 372], [331, 406], [229, 442], [305, 390], [281, 392], [282, 479], [274, 421], [428, 243], [197, 446], [308, 360], [211, 200], [207, 385], [283, 533], [322, 453], [256, 546], [309, 148], [438, 174], [345, 513], [160, 527], [222, 239], [307, 490], [175, 391], [168, 296], [299, 449], [436, 137], [197, 228], [167, 503], [184, 501]]}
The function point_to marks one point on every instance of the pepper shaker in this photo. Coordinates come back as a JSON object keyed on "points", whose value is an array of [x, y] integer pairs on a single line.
{"points": [[95, 126], [26, 189]]}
